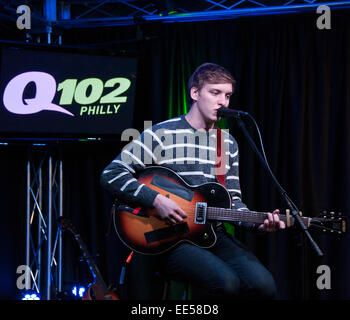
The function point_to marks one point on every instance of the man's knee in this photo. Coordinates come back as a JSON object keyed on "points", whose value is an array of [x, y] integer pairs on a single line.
{"points": [[232, 287], [228, 285], [265, 288]]}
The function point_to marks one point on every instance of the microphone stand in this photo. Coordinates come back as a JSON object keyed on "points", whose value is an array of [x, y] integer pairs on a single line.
{"points": [[293, 208]]}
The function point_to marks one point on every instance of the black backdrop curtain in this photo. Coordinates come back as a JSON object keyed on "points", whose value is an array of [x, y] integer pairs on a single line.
{"points": [[293, 78]]}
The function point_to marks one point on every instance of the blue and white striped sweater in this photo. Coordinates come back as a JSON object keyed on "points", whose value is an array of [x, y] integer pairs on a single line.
{"points": [[176, 145]]}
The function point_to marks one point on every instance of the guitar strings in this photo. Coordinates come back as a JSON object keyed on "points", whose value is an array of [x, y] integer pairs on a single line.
{"points": [[232, 214]]}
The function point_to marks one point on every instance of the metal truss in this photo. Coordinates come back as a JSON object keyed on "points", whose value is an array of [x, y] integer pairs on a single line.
{"points": [[43, 237], [94, 13]]}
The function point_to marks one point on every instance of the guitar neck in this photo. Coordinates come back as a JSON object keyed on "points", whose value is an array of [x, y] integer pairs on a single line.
{"points": [[225, 214], [94, 270]]}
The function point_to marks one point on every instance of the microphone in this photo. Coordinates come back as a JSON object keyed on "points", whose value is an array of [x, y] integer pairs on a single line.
{"points": [[228, 113]]}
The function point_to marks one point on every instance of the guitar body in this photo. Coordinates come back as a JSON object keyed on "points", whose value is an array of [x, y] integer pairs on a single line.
{"points": [[96, 292], [145, 232]]}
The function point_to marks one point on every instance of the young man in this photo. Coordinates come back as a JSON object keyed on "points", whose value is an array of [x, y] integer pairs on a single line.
{"points": [[187, 145]]}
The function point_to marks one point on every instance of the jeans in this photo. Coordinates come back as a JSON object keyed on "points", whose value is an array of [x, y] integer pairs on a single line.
{"points": [[227, 270]]}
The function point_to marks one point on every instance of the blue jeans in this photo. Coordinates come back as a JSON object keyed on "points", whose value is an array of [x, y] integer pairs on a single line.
{"points": [[227, 270]]}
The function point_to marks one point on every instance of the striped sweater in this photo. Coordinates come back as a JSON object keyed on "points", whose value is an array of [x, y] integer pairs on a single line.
{"points": [[174, 144]]}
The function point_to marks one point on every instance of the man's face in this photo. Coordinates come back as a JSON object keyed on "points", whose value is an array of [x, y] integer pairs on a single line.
{"points": [[210, 98]]}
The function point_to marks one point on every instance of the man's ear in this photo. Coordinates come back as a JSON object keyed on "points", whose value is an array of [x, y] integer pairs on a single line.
{"points": [[194, 93]]}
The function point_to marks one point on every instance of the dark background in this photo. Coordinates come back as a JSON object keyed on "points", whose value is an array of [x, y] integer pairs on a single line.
{"points": [[293, 78]]}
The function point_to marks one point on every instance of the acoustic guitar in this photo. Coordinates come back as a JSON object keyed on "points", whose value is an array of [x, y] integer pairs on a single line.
{"points": [[97, 290], [143, 231]]}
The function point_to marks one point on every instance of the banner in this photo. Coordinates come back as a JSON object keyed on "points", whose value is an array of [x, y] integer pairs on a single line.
{"points": [[59, 93]]}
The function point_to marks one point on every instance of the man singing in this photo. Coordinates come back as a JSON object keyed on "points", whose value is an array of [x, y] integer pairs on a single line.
{"points": [[186, 144]]}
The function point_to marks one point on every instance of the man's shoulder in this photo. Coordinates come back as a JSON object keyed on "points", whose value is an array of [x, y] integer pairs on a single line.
{"points": [[173, 123], [228, 137]]}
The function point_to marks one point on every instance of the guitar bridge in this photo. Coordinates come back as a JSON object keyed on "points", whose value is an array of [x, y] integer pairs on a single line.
{"points": [[201, 213]]}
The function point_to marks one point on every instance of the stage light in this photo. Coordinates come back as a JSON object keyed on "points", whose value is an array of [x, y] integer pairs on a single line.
{"points": [[78, 291], [81, 291], [31, 296]]}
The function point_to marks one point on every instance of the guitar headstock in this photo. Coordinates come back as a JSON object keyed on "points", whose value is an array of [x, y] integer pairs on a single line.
{"points": [[332, 223], [66, 225]]}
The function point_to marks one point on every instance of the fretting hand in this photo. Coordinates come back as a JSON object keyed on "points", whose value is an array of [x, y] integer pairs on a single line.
{"points": [[272, 223]]}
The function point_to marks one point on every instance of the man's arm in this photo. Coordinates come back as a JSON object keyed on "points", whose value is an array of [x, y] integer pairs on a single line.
{"points": [[119, 176], [119, 179], [233, 186]]}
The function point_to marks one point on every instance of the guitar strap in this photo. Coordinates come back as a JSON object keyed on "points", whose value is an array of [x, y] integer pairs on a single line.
{"points": [[220, 163], [220, 170]]}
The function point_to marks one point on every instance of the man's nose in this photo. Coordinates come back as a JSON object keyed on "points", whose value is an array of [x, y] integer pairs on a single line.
{"points": [[223, 101]]}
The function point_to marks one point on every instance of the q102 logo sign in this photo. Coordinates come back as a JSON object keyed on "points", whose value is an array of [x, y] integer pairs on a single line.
{"points": [[88, 93]]}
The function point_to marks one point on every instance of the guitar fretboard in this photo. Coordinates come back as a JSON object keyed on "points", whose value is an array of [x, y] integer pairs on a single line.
{"points": [[225, 214]]}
